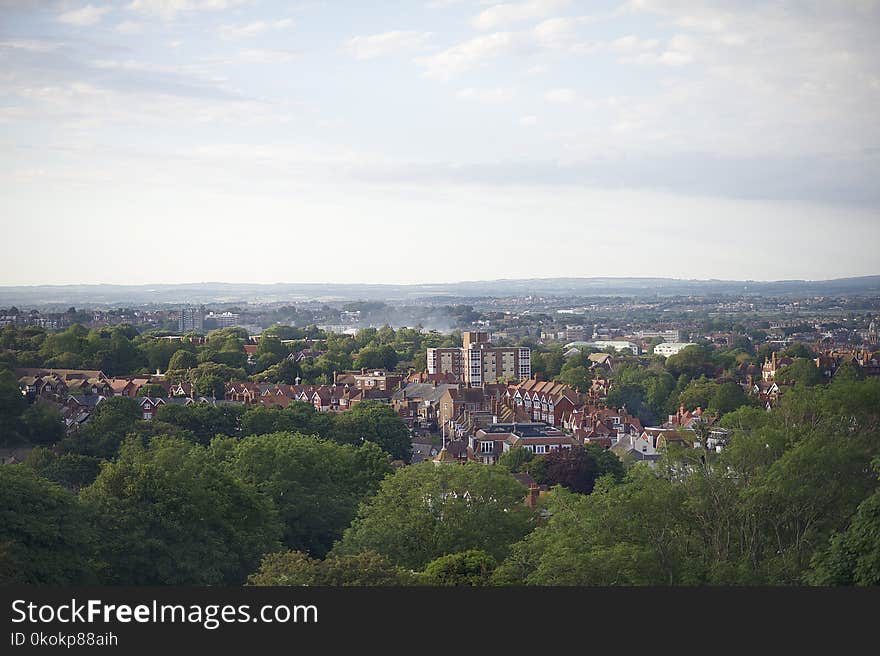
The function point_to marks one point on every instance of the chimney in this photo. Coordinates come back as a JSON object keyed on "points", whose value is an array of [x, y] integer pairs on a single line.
{"points": [[532, 497], [537, 377]]}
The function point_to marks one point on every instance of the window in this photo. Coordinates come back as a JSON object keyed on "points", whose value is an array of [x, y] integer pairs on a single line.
{"points": [[487, 447], [540, 448]]}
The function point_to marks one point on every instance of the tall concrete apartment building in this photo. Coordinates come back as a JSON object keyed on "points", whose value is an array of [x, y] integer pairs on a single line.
{"points": [[191, 319], [478, 362]]}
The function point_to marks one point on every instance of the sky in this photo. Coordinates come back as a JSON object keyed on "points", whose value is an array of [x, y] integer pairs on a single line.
{"points": [[168, 141]]}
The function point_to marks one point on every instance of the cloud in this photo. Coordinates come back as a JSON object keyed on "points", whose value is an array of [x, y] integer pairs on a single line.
{"points": [[528, 120], [561, 96], [556, 34], [505, 14], [169, 9], [88, 15], [496, 95], [30, 45], [129, 27], [252, 29], [267, 56], [386, 43], [476, 51], [632, 43]]}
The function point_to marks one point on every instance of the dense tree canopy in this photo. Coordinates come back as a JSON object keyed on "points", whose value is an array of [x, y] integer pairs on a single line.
{"points": [[424, 511], [295, 568], [315, 484], [170, 514], [45, 534]]}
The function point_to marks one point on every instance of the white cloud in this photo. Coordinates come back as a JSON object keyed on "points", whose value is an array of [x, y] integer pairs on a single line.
{"points": [[252, 29], [556, 34], [561, 96], [632, 43], [496, 95], [88, 15], [129, 27], [502, 15], [169, 9], [466, 55], [267, 56], [528, 120], [379, 45], [30, 45], [561, 32]]}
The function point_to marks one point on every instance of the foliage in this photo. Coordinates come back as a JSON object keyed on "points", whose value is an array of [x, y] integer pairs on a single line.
{"points": [[315, 484], [372, 421], [514, 459], [45, 534], [424, 511], [203, 420], [295, 568], [170, 514], [101, 437], [468, 568]]}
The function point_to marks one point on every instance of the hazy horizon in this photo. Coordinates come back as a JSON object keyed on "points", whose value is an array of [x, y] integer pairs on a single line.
{"points": [[253, 141], [438, 283]]}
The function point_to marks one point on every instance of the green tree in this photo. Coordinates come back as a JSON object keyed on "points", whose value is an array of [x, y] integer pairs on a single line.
{"points": [[728, 397], [698, 394], [153, 390], [12, 405], [372, 421], [369, 357], [514, 459], [295, 568], [46, 535], [691, 361], [182, 360], [72, 470], [203, 420], [468, 568], [170, 514], [316, 485], [627, 534], [852, 556], [801, 371], [423, 511], [42, 424]]}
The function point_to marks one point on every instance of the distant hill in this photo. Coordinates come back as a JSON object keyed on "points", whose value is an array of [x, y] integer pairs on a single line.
{"points": [[215, 292]]}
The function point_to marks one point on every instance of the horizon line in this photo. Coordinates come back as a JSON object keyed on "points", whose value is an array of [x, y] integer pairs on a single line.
{"points": [[431, 284]]}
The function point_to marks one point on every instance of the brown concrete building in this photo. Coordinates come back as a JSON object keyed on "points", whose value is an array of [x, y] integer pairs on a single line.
{"points": [[478, 362]]}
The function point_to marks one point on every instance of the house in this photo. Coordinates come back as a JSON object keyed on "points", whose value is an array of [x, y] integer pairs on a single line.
{"points": [[454, 452], [77, 409], [772, 365], [149, 406], [688, 419], [422, 451], [447, 378], [491, 442], [365, 379], [418, 403], [601, 361], [545, 401], [767, 392], [603, 426], [243, 392], [456, 401]]}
